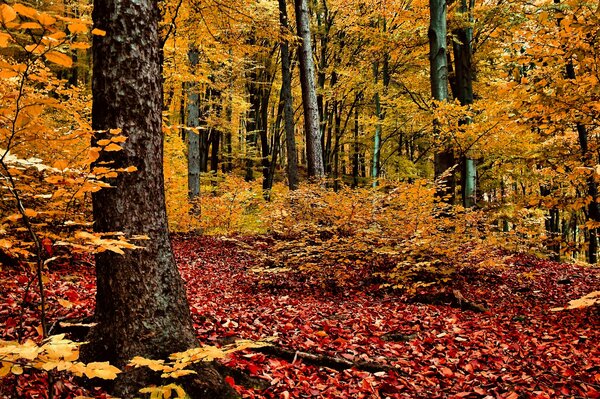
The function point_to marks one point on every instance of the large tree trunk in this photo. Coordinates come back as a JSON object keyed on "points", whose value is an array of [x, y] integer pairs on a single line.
{"points": [[438, 61], [314, 152], [288, 104], [141, 308]]}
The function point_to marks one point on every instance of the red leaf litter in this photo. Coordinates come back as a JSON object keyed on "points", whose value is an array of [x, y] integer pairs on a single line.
{"points": [[518, 349]]}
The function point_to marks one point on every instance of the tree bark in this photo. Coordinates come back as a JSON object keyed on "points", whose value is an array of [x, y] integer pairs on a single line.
{"points": [[287, 99], [193, 134], [438, 62], [314, 152], [141, 308], [464, 92]]}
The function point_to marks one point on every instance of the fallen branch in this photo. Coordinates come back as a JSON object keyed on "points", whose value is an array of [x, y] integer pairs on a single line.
{"points": [[323, 360]]}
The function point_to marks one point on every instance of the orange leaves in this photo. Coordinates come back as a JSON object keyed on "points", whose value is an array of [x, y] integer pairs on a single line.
{"points": [[59, 59], [98, 32], [77, 27], [7, 13]]}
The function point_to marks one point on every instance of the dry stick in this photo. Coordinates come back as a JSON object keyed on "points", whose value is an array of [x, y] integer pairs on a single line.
{"points": [[332, 362]]}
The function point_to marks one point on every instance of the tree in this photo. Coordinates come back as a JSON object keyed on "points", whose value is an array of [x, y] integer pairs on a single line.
{"points": [[463, 53], [141, 309], [314, 152], [286, 98], [193, 134], [438, 60]]}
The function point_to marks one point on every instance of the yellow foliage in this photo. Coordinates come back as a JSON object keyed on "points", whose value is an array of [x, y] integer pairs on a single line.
{"points": [[54, 353]]}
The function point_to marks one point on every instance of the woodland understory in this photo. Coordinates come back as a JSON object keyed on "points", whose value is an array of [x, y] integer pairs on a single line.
{"points": [[363, 199], [517, 348]]}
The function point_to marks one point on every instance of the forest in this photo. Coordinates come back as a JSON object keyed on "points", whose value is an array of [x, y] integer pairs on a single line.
{"points": [[299, 199]]}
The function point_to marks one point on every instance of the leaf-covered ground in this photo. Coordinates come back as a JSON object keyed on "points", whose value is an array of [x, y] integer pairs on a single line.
{"points": [[519, 349]]}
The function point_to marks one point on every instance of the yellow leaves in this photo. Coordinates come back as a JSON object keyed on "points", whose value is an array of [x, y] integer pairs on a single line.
{"points": [[30, 25], [46, 19], [102, 370], [30, 213], [591, 299], [79, 46], [59, 58], [60, 164], [113, 147], [25, 11], [7, 74], [106, 244], [16, 369], [154, 365], [93, 154], [98, 32], [77, 28], [55, 353], [5, 39], [64, 303], [7, 13], [5, 369], [165, 392]]}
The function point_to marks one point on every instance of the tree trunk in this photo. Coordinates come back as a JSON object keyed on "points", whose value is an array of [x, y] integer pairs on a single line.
{"points": [[141, 308], [193, 135], [438, 61], [314, 152], [355, 153], [464, 92], [288, 104]]}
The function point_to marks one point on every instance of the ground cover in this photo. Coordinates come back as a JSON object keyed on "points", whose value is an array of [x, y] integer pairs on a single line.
{"points": [[401, 348]]}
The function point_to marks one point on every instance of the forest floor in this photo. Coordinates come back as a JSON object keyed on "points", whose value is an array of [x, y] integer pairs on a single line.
{"points": [[519, 348]]}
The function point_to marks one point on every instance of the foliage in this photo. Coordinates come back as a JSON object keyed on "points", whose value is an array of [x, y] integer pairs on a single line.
{"points": [[399, 234], [54, 354]]}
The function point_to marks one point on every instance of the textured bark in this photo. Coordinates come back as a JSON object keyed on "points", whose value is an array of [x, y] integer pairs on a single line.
{"points": [[193, 134], [141, 307], [438, 62], [463, 67], [356, 149], [314, 152], [288, 104]]}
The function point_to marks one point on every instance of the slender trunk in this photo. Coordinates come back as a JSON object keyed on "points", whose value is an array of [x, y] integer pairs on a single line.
{"points": [[288, 104], [141, 307], [464, 92], [193, 134], [314, 152], [355, 154], [438, 61]]}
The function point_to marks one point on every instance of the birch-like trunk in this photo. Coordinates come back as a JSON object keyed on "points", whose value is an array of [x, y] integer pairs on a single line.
{"points": [[438, 62], [314, 152]]}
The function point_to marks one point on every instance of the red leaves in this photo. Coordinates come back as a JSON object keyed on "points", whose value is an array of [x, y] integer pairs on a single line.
{"points": [[519, 348]]}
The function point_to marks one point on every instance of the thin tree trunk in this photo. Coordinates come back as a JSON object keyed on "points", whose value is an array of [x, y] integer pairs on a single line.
{"points": [[141, 306], [193, 134], [464, 92], [355, 153], [288, 104], [438, 61], [314, 152]]}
